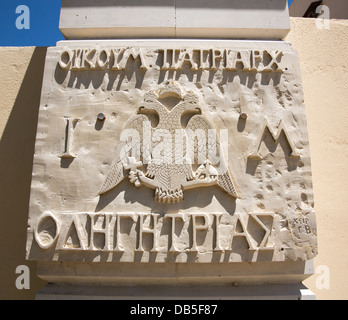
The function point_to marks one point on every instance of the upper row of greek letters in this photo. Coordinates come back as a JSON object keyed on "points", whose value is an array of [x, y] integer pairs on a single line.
{"points": [[195, 59]]}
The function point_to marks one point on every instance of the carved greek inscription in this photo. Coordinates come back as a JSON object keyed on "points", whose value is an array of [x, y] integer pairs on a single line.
{"points": [[76, 236], [47, 230], [198, 227], [120, 220], [126, 232], [70, 126], [232, 60], [93, 59], [174, 217], [275, 135], [301, 227], [196, 59], [148, 230]]}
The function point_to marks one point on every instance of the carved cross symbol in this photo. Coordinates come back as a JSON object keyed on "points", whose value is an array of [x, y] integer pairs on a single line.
{"points": [[132, 165]]}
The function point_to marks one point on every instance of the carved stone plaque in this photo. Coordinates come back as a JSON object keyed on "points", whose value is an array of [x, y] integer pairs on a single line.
{"points": [[172, 152]]}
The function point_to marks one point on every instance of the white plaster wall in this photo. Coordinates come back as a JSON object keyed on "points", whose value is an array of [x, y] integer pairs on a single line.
{"points": [[324, 63]]}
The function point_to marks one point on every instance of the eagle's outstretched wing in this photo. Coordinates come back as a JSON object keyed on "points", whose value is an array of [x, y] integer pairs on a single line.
{"points": [[211, 150], [116, 173], [124, 149]]}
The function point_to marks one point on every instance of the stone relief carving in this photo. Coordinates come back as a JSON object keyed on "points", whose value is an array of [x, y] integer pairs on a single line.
{"points": [[169, 150], [70, 124], [204, 233], [198, 58], [203, 169], [275, 135]]}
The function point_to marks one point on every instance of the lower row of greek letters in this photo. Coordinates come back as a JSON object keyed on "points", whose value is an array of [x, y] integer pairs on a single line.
{"points": [[119, 232]]}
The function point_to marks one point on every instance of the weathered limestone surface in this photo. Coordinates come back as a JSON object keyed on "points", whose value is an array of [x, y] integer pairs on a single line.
{"points": [[250, 201]]}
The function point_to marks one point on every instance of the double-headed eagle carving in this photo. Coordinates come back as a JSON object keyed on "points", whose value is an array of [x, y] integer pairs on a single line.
{"points": [[171, 158]]}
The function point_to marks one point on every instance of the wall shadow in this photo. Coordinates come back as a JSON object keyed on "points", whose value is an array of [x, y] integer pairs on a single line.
{"points": [[16, 161]]}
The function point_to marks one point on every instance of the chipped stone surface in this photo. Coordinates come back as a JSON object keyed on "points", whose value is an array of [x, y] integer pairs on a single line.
{"points": [[93, 201]]}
